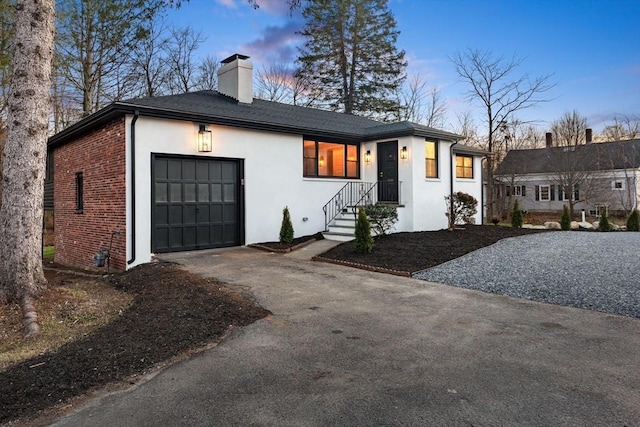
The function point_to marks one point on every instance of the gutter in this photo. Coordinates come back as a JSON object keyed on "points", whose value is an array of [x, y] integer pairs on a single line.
{"points": [[132, 148], [451, 219]]}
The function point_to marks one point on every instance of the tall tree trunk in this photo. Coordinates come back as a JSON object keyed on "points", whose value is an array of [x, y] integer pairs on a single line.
{"points": [[21, 275]]}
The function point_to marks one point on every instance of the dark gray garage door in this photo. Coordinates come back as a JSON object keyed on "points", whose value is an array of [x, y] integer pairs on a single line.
{"points": [[196, 203]]}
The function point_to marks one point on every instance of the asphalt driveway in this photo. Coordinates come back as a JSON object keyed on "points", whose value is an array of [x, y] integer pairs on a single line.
{"points": [[350, 347]]}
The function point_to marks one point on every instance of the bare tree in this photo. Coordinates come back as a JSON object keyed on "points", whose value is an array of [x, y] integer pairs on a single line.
{"points": [[420, 103], [622, 128], [21, 275], [183, 43], [501, 93], [574, 166], [93, 37], [273, 83], [207, 74]]}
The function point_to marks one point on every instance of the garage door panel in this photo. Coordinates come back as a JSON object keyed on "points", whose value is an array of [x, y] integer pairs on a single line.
{"points": [[175, 215], [189, 214], [195, 203]]}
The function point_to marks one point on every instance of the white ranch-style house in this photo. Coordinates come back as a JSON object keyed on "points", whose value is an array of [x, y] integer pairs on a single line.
{"points": [[215, 168]]}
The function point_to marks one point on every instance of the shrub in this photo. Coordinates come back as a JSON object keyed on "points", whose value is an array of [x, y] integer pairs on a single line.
{"points": [[604, 225], [382, 218], [464, 208], [286, 229], [516, 215], [565, 220], [364, 241], [633, 222], [495, 220]]}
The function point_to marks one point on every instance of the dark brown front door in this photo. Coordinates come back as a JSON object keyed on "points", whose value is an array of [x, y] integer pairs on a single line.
{"points": [[388, 172]]}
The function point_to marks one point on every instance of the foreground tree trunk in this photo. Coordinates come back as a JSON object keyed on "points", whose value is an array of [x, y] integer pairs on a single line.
{"points": [[21, 275]]}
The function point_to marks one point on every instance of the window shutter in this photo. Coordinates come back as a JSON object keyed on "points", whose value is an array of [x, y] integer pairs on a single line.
{"points": [[552, 189], [508, 190], [576, 193], [524, 190], [537, 193], [560, 192]]}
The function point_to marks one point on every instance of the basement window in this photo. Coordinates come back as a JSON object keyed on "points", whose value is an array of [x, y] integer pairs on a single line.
{"points": [[79, 192]]}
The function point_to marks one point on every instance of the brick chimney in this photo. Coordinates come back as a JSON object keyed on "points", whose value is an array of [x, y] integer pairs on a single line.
{"points": [[549, 138], [588, 136], [235, 78]]}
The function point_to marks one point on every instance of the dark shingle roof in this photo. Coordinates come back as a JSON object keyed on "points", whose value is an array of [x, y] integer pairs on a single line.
{"points": [[215, 108], [601, 156]]}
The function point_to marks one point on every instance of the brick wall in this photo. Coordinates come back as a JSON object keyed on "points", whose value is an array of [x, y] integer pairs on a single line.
{"points": [[100, 156]]}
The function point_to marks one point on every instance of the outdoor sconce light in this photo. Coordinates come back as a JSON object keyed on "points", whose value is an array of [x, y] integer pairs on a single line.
{"points": [[367, 156], [204, 140], [321, 162], [403, 153]]}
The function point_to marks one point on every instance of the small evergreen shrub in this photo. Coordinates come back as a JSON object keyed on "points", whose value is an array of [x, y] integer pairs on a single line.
{"points": [[604, 224], [364, 241], [516, 215], [464, 208], [495, 220], [633, 222], [382, 218], [286, 229], [565, 220]]}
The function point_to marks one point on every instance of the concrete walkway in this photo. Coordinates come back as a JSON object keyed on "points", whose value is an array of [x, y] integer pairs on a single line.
{"points": [[346, 347]]}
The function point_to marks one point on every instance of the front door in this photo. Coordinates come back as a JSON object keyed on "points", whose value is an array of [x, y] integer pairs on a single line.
{"points": [[388, 172]]}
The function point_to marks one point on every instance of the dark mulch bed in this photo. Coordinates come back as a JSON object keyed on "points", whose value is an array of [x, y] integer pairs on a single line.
{"points": [[411, 252], [173, 312], [283, 247]]}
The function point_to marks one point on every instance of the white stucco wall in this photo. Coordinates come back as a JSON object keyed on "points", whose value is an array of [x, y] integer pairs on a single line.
{"points": [[273, 179]]}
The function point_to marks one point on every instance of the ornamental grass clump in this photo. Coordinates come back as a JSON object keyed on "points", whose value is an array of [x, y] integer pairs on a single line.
{"points": [[633, 222], [604, 224], [364, 241], [516, 215], [286, 229], [565, 220]]}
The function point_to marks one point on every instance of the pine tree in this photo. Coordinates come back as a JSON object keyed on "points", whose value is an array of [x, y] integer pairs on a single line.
{"points": [[364, 241], [565, 220], [350, 58], [516, 215], [604, 224], [286, 229], [633, 222]]}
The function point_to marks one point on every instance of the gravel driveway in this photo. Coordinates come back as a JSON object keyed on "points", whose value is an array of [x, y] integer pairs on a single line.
{"points": [[598, 271]]}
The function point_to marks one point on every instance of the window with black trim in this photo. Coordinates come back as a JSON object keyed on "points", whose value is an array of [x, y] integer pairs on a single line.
{"points": [[464, 166], [79, 192], [330, 159], [431, 159]]}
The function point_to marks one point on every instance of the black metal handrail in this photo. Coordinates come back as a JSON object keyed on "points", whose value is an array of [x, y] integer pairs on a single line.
{"points": [[352, 194], [368, 198]]}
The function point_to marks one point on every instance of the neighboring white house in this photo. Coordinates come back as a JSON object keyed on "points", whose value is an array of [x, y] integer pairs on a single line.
{"points": [[590, 176], [216, 168]]}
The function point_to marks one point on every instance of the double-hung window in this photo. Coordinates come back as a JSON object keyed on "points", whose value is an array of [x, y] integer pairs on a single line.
{"points": [[431, 159], [545, 193], [330, 159], [464, 166]]}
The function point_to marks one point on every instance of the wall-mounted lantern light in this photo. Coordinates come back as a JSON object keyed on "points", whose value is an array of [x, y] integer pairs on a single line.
{"points": [[367, 156], [204, 140], [321, 162], [404, 155]]}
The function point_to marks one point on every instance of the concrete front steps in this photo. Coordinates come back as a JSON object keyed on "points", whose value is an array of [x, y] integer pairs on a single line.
{"points": [[342, 228]]}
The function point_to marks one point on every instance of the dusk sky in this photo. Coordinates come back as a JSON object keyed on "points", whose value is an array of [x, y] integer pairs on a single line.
{"points": [[592, 47]]}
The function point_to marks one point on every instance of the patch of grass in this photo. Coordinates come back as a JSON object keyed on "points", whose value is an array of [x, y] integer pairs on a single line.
{"points": [[49, 252], [72, 307]]}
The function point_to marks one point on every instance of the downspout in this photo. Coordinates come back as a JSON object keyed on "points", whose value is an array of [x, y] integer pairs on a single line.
{"points": [[451, 219], [132, 154]]}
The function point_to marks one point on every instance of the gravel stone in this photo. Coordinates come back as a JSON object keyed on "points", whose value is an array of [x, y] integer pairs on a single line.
{"points": [[596, 271]]}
